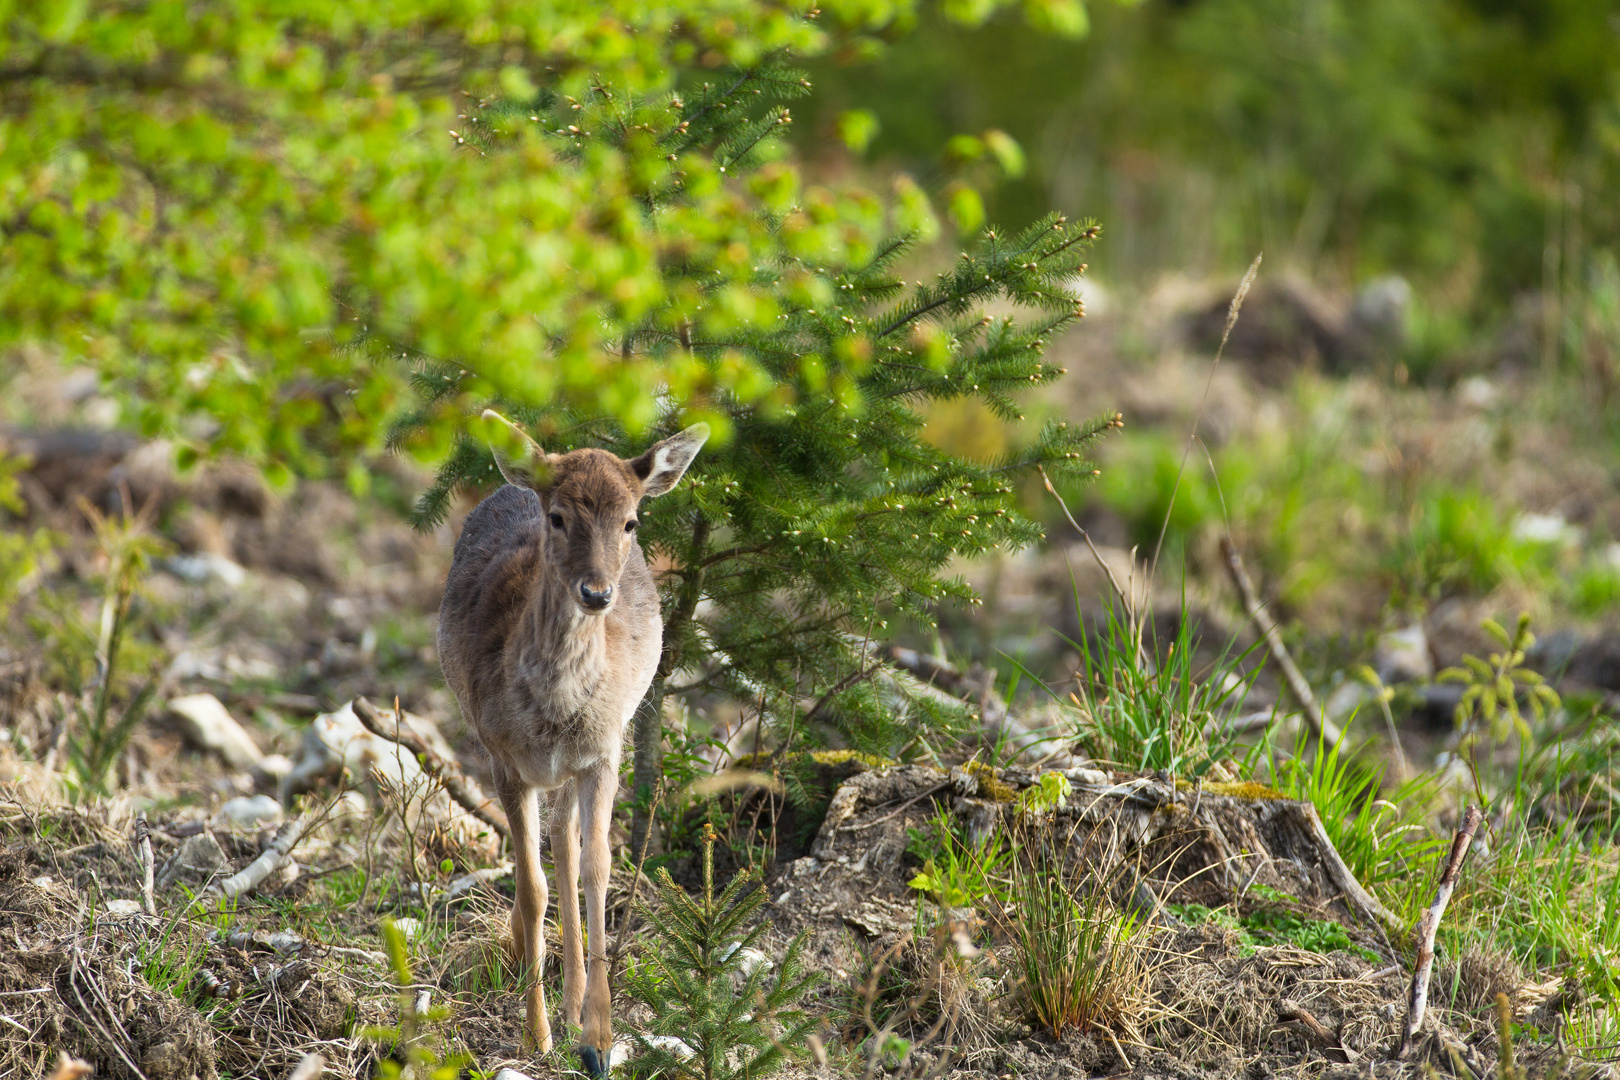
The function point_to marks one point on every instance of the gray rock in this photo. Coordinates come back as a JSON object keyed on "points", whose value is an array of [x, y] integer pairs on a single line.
{"points": [[199, 859]]}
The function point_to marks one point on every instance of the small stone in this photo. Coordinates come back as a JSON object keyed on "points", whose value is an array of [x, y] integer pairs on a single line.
{"points": [[209, 725], [122, 907], [248, 812], [408, 927], [198, 859], [1403, 656]]}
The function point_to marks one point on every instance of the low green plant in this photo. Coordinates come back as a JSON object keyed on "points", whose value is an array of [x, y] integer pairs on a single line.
{"points": [[170, 960], [1593, 589], [957, 870], [1550, 899], [1458, 542], [97, 725], [736, 1018], [1270, 926], [413, 1044], [1490, 700]]}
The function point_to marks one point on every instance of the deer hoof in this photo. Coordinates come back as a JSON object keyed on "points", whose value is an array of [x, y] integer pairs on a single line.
{"points": [[594, 1060]]}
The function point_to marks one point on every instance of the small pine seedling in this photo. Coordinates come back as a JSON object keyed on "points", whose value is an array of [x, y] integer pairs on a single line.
{"points": [[720, 1014]]}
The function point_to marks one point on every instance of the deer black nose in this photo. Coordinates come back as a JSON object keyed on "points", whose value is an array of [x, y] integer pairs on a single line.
{"points": [[595, 599]]}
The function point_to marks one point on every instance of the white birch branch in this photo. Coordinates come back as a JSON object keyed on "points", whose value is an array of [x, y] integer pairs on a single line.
{"points": [[1429, 924], [274, 858]]}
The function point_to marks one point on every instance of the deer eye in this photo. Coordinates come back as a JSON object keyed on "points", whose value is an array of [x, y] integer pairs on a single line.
{"points": [[556, 521], [630, 526]]}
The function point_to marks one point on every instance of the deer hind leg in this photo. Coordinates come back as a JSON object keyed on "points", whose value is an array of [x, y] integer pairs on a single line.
{"points": [[565, 858], [596, 791], [522, 806]]}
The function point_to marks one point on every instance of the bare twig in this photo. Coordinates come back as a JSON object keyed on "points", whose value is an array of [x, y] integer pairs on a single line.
{"points": [[143, 845], [1429, 924], [456, 783], [1298, 688], [1132, 615], [275, 857]]}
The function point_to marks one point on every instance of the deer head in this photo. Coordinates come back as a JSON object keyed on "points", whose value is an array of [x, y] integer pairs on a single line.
{"points": [[590, 499]]}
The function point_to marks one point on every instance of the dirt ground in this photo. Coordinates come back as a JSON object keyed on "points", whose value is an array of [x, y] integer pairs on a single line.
{"points": [[286, 605]]}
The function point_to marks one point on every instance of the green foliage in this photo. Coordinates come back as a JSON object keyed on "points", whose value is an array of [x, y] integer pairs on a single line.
{"points": [[1490, 701], [1048, 793], [1355, 135], [698, 976], [1142, 704], [1372, 834], [1550, 898], [817, 513], [1455, 542], [959, 871], [246, 222], [417, 1050], [1270, 926], [20, 551]]}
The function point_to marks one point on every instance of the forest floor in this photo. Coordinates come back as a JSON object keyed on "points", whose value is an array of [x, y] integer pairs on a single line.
{"points": [[1368, 508]]}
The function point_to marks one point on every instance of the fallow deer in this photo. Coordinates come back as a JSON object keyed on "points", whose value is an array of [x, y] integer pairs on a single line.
{"points": [[549, 635]]}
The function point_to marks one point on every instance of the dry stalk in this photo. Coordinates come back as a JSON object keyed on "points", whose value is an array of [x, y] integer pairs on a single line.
{"points": [[456, 783], [1132, 615], [143, 845], [1298, 688], [1429, 924], [1231, 320]]}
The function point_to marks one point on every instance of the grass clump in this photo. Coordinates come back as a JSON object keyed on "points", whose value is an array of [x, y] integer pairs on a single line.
{"points": [[1369, 830], [1150, 709], [958, 870], [1082, 965]]}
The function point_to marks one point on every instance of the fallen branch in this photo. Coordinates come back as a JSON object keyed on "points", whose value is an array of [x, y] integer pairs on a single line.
{"points": [[456, 783], [1429, 924], [1330, 1043], [143, 845], [1298, 688], [276, 857]]}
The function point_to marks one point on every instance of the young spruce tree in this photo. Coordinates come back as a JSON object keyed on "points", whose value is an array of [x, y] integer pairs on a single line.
{"points": [[817, 513], [733, 1015]]}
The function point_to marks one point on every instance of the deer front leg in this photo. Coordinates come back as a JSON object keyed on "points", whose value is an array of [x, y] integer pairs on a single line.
{"points": [[522, 806], [565, 858], [596, 791]]}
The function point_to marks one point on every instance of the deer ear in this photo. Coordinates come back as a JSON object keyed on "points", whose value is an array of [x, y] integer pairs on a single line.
{"points": [[532, 468], [664, 463]]}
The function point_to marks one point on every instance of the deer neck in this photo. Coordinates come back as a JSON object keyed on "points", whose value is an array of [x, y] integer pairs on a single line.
{"points": [[564, 651]]}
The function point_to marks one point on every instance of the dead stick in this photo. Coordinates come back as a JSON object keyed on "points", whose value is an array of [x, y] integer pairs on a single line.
{"points": [[143, 844], [456, 783], [1298, 688], [274, 858], [1429, 923]]}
